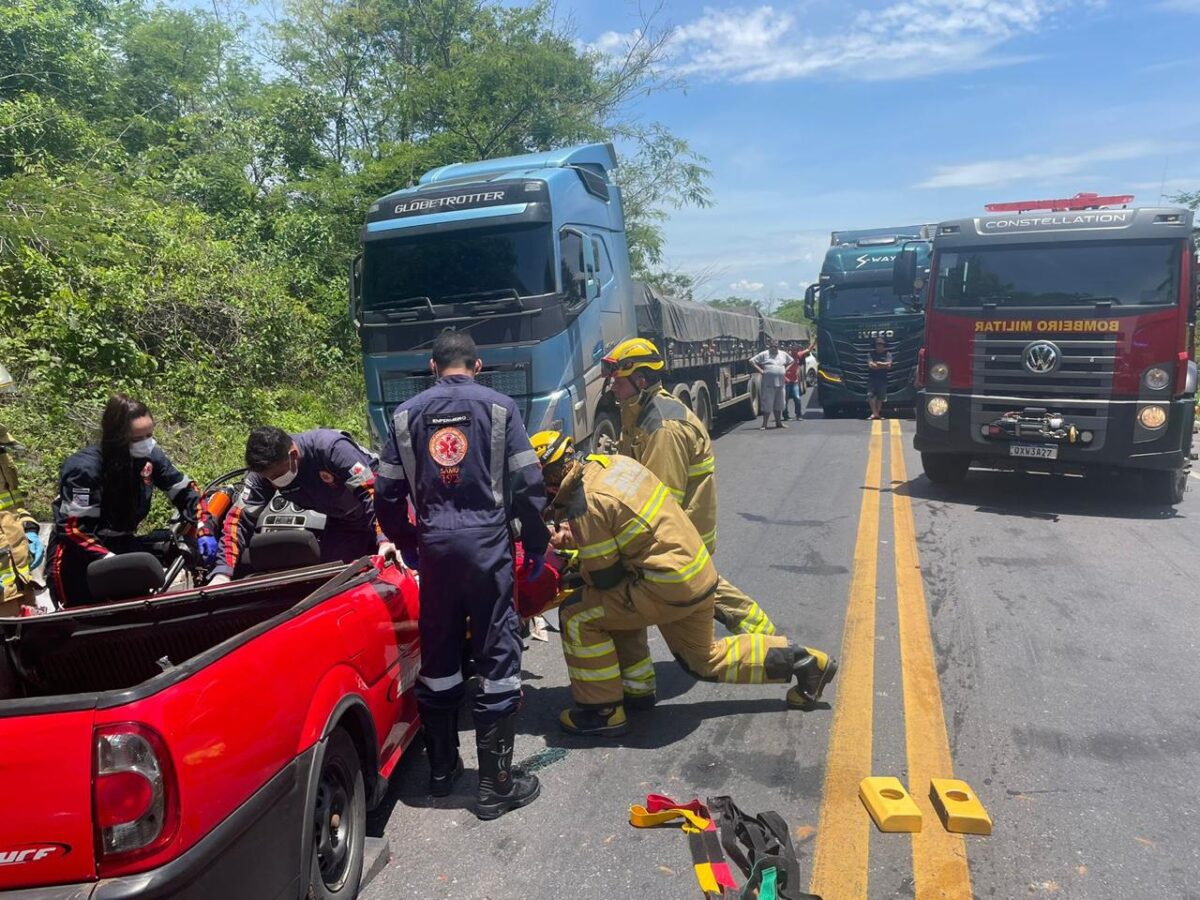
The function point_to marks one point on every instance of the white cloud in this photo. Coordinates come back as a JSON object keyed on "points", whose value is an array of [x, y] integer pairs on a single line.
{"points": [[998, 172], [1192, 6], [782, 285], [906, 38], [614, 43], [746, 286]]}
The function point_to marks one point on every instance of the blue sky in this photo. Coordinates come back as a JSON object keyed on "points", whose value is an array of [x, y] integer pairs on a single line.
{"points": [[817, 115]]}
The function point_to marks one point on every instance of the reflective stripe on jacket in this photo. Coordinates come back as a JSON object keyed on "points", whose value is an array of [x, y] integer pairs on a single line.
{"points": [[628, 527]]}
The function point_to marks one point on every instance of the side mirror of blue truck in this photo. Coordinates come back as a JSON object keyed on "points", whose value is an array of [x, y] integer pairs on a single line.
{"points": [[810, 302], [356, 291]]}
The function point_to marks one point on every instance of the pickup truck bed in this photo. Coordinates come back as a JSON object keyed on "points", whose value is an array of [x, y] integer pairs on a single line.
{"points": [[243, 690]]}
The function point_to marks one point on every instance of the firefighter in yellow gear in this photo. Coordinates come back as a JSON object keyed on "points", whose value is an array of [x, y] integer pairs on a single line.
{"points": [[670, 440], [643, 563], [20, 544]]}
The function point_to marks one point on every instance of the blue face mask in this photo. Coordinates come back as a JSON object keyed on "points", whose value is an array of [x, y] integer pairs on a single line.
{"points": [[143, 448]]}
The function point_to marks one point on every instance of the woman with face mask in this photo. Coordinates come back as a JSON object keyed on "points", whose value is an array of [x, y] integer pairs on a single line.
{"points": [[104, 494]]}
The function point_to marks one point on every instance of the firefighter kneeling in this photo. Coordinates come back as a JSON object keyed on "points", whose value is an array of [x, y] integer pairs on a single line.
{"points": [[643, 563]]}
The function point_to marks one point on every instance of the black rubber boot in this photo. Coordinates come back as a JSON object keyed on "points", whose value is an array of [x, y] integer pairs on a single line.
{"points": [[441, 744], [500, 791], [813, 670]]}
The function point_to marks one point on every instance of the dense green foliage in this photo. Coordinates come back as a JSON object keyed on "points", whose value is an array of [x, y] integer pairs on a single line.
{"points": [[180, 194]]}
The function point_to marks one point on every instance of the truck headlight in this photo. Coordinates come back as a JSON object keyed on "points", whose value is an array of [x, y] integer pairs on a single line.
{"points": [[1153, 417], [1156, 378], [937, 406], [939, 372]]}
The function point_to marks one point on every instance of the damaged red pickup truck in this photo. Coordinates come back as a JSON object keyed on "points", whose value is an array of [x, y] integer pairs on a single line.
{"points": [[218, 743]]}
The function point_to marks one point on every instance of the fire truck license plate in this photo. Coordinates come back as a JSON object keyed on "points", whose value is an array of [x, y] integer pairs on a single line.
{"points": [[1037, 451]]}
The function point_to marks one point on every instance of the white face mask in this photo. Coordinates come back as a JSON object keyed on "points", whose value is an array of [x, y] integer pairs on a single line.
{"points": [[143, 448], [285, 479]]}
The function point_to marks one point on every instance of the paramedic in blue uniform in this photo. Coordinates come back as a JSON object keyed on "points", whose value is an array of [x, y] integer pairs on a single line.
{"points": [[104, 495], [461, 452], [323, 470]]}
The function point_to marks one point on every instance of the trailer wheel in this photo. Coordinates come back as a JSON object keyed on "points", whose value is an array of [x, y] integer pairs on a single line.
{"points": [[683, 394], [1165, 486], [748, 410], [339, 821], [945, 468], [702, 405]]}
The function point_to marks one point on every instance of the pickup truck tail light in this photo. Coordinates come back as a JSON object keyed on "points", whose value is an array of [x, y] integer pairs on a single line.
{"points": [[135, 795]]}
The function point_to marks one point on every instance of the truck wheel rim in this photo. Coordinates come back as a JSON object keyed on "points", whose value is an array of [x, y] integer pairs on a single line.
{"points": [[332, 824]]}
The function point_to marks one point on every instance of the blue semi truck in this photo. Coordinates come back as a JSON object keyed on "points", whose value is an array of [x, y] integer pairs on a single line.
{"points": [[856, 306], [528, 255]]}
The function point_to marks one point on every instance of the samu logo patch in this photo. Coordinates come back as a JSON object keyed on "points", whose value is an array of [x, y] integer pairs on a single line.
{"points": [[448, 447]]}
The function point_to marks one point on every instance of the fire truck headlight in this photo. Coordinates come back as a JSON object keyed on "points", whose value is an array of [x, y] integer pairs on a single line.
{"points": [[1153, 417], [1156, 379], [937, 406], [939, 372]]}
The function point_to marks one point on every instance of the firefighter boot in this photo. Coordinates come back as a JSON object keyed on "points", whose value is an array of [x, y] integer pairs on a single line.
{"points": [[607, 722], [813, 670], [500, 790], [441, 744]]}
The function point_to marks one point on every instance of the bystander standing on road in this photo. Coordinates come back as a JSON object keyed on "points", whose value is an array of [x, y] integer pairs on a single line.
{"points": [[793, 379], [772, 364], [879, 363]]}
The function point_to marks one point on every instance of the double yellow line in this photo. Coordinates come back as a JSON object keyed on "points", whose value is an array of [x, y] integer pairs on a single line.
{"points": [[842, 853]]}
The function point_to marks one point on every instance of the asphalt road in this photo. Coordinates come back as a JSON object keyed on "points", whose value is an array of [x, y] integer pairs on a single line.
{"points": [[1055, 619]]}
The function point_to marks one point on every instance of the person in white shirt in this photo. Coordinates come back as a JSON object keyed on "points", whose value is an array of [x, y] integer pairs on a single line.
{"points": [[772, 364]]}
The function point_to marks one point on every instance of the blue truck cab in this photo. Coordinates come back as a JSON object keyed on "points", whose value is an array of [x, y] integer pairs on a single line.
{"points": [[528, 255], [857, 305]]}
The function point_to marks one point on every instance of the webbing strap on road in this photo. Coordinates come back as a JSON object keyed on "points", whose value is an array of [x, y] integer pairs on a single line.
{"points": [[761, 846], [708, 862]]}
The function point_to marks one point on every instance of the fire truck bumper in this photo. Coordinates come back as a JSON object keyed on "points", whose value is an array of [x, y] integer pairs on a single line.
{"points": [[954, 424]]}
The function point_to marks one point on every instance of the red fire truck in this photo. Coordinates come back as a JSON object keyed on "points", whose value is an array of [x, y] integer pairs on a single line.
{"points": [[1059, 337]]}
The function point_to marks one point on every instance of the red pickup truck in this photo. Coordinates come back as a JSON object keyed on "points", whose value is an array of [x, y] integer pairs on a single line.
{"points": [[218, 743]]}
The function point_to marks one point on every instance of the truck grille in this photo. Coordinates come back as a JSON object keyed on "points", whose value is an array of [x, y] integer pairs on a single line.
{"points": [[1083, 379], [852, 355], [398, 387]]}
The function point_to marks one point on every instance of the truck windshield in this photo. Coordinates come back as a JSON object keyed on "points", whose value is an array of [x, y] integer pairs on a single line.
{"points": [[475, 264], [1100, 273], [860, 300]]}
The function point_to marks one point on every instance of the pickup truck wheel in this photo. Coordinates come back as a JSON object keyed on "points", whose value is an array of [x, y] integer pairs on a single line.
{"points": [[1165, 486], [339, 821]]}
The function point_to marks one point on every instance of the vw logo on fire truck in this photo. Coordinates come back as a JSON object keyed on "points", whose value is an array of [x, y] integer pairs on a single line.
{"points": [[1041, 357]]}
